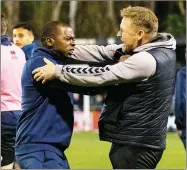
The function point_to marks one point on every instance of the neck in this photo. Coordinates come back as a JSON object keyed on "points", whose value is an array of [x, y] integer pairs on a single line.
{"points": [[147, 38]]}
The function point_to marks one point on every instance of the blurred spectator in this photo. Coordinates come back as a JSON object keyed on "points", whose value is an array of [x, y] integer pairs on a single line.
{"points": [[97, 102], [24, 37], [12, 62], [78, 102], [180, 104], [23, 34]]}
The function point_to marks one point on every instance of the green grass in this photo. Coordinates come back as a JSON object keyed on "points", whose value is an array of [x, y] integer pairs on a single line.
{"points": [[87, 152]]}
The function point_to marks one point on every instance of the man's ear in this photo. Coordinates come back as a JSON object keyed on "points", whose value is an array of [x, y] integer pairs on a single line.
{"points": [[31, 37], [140, 34], [49, 41]]}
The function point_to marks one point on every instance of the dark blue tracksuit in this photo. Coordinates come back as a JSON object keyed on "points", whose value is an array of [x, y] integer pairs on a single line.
{"points": [[29, 49], [46, 122], [180, 103]]}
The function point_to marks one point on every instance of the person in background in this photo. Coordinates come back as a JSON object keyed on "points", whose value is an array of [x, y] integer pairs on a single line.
{"points": [[180, 104], [24, 37], [12, 62], [78, 102], [23, 34], [96, 102]]}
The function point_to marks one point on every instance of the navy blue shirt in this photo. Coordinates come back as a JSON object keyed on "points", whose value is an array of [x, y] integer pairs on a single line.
{"points": [[180, 99], [46, 120]]}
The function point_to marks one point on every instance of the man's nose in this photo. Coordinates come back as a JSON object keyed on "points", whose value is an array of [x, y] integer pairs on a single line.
{"points": [[15, 39], [73, 43]]}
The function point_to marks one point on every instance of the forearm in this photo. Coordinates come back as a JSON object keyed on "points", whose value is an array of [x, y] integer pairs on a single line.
{"points": [[133, 69], [86, 81], [95, 53]]}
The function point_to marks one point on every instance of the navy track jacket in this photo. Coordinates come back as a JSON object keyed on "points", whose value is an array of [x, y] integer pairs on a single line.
{"points": [[46, 120]]}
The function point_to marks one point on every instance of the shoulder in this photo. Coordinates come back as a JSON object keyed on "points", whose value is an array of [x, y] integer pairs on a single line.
{"points": [[35, 62], [13, 50], [28, 47], [143, 58], [17, 49], [38, 61], [142, 61]]}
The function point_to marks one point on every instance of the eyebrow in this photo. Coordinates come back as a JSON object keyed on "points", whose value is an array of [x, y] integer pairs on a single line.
{"points": [[70, 36]]}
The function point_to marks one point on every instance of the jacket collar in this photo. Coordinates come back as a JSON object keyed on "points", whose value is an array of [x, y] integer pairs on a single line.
{"points": [[162, 40], [49, 52]]}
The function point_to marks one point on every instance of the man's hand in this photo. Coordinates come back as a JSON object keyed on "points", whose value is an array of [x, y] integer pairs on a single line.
{"points": [[45, 73]]}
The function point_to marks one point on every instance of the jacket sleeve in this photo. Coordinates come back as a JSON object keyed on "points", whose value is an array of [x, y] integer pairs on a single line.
{"points": [[57, 84], [178, 101], [138, 67], [95, 53]]}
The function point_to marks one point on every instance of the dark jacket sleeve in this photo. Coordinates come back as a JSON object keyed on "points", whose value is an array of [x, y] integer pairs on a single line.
{"points": [[179, 89]]}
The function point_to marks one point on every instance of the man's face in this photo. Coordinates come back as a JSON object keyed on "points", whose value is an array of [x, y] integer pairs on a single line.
{"points": [[22, 37], [128, 35], [64, 43]]}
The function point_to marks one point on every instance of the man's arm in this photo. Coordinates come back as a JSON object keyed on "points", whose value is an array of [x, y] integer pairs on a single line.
{"points": [[95, 53], [138, 67], [57, 84]]}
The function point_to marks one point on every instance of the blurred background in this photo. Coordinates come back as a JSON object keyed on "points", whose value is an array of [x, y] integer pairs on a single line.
{"points": [[97, 22]]}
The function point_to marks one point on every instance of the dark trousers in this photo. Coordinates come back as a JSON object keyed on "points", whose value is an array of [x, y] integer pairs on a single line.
{"points": [[42, 160], [133, 157], [9, 121]]}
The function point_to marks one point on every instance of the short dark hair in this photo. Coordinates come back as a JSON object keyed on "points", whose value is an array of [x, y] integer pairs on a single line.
{"points": [[4, 24], [51, 29], [25, 25]]}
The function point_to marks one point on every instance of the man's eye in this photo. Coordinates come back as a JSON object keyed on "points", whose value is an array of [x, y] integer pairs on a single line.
{"points": [[21, 36], [69, 39]]}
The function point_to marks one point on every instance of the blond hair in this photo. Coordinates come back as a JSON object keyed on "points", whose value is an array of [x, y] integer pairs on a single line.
{"points": [[142, 18]]}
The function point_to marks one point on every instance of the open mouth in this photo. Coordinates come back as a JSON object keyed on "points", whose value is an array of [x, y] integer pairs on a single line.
{"points": [[71, 51]]}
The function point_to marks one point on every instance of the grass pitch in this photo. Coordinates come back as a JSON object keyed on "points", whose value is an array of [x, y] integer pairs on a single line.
{"points": [[87, 152]]}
